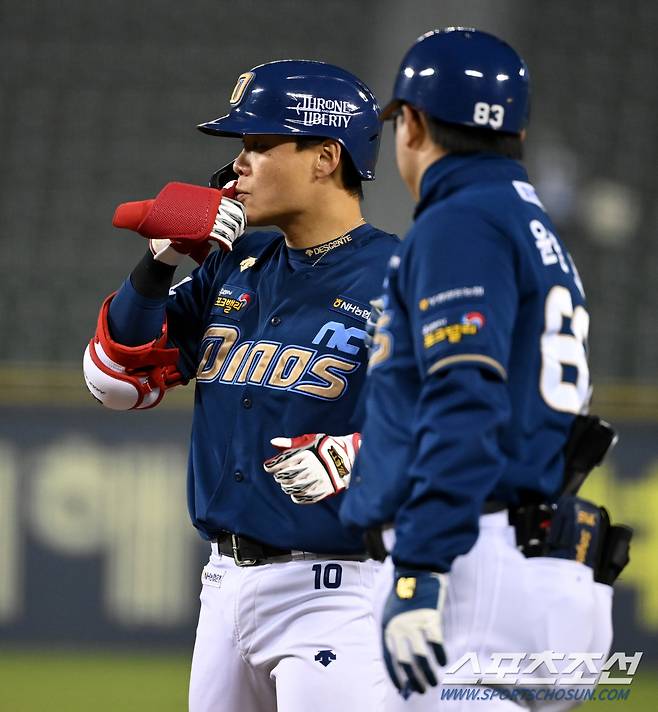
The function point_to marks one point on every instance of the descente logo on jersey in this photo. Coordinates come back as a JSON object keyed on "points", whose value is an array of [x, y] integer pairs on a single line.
{"points": [[439, 330], [271, 364], [328, 246], [345, 305], [232, 301]]}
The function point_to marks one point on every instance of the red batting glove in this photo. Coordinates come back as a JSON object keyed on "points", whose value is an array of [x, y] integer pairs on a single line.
{"points": [[186, 217]]}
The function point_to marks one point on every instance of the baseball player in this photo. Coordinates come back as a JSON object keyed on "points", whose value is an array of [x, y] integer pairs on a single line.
{"points": [[272, 328], [478, 381]]}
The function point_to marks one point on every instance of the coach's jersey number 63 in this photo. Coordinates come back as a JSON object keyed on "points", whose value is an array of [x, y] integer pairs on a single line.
{"points": [[560, 350]]}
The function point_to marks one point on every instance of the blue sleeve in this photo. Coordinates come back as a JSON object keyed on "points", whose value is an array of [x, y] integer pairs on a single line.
{"points": [[133, 319], [457, 462], [460, 289], [186, 310], [459, 286]]}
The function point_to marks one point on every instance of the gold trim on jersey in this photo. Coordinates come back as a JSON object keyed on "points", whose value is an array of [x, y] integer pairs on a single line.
{"points": [[473, 358]]}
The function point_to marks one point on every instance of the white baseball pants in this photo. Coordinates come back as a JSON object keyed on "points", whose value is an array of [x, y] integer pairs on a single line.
{"points": [[499, 601], [287, 637]]}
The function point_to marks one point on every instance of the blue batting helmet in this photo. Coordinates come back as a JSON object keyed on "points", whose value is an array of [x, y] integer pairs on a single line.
{"points": [[463, 76], [305, 98]]}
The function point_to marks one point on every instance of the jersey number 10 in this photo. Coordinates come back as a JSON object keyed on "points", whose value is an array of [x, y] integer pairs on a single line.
{"points": [[561, 350]]}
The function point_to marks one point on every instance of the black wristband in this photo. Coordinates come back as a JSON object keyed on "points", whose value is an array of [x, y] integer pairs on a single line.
{"points": [[151, 278]]}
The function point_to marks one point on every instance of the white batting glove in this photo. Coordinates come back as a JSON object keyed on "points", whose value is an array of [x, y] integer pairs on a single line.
{"points": [[314, 466], [411, 623], [230, 221]]}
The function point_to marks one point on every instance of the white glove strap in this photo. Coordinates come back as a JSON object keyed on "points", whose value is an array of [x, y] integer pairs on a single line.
{"points": [[230, 222], [163, 251]]}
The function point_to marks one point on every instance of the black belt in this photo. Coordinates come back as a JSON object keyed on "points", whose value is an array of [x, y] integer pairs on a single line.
{"points": [[491, 506], [249, 552]]}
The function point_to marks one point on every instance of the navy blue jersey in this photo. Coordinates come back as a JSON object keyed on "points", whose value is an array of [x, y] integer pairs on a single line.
{"points": [[275, 340], [480, 362]]}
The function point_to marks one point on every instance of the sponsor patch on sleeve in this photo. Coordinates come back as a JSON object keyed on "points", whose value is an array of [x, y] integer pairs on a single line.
{"points": [[474, 293], [452, 329], [350, 307], [232, 302]]}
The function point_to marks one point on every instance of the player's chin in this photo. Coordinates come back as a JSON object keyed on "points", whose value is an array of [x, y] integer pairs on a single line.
{"points": [[256, 217]]}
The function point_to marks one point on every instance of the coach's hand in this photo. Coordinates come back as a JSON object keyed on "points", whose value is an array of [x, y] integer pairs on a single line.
{"points": [[411, 624], [183, 219], [312, 467]]}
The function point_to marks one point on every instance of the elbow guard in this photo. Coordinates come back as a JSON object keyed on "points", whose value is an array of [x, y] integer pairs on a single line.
{"points": [[129, 377]]}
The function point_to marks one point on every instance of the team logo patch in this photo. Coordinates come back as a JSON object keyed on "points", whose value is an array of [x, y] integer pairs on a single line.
{"points": [[312, 110], [325, 657], [338, 336], [345, 305], [247, 262], [232, 301], [440, 330]]}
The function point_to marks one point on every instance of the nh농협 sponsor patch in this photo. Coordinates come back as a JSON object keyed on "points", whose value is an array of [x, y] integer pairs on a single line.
{"points": [[350, 307]]}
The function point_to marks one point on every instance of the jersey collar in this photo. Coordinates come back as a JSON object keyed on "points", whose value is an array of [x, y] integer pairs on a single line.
{"points": [[455, 171], [330, 251]]}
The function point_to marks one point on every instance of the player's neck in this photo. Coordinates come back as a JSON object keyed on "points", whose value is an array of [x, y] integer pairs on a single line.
{"points": [[426, 157], [326, 220]]}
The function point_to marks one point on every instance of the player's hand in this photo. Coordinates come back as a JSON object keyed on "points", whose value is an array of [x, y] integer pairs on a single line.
{"points": [[411, 623], [312, 467], [183, 219]]}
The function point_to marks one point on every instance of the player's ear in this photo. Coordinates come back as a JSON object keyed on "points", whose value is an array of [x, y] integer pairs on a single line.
{"points": [[524, 133], [415, 126], [328, 158]]}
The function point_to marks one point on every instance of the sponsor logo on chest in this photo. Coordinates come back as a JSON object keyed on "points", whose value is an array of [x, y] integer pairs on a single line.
{"points": [[232, 301], [346, 306]]}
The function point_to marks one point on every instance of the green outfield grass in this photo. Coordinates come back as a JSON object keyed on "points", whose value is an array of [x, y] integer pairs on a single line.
{"points": [[122, 682], [93, 682]]}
